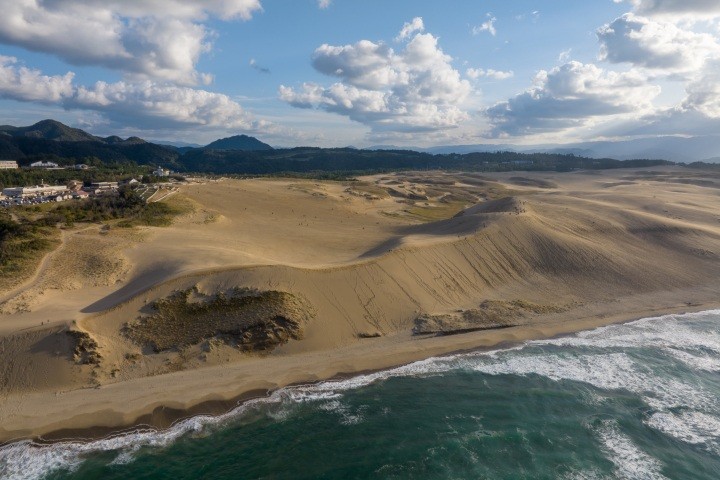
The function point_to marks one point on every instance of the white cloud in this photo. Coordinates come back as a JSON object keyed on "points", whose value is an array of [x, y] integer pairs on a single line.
{"points": [[687, 8], [703, 94], [162, 39], [161, 105], [324, 3], [565, 55], [697, 114], [655, 45], [476, 73], [569, 96], [415, 89], [410, 28], [487, 26], [136, 104], [24, 84]]}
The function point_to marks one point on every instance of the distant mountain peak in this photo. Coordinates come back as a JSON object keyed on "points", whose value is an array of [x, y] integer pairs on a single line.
{"points": [[238, 142], [115, 140], [51, 130]]}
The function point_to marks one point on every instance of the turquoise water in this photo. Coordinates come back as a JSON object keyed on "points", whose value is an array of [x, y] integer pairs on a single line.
{"points": [[636, 401]]}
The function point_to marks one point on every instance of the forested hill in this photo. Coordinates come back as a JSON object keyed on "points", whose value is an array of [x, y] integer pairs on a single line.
{"points": [[306, 160], [238, 142], [51, 140]]}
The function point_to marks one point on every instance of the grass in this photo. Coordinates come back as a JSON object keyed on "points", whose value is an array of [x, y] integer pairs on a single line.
{"points": [[23, 243], [434, 213], [31, 231], [490, 314], [366, 188], [247, 319]]}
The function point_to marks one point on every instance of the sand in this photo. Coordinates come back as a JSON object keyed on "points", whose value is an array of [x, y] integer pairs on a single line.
{"points": [[574, 250]]}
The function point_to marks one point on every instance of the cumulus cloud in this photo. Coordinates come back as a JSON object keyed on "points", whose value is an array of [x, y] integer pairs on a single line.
{"points": [[697, 114], [415, 89], [159, 105], [487, 26], [140, 104], [21, 83], [565, 55], [692, 8], [569, 96], [162, 39], [476, 73], [703, 94], [324, 3], [410, 28], [656, 45]]}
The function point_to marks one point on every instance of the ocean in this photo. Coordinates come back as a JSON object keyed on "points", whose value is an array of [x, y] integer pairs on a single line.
{"points": [[633, 401]]}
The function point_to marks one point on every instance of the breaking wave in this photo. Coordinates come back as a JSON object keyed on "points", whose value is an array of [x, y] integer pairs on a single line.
{"points": [[662, 361]]}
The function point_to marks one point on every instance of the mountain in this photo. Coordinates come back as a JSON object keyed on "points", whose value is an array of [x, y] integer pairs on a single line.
{"points": [[485, 147], [115, 140], [177, 144], [675, 149], [67, 145], [239, 142], [50, 130], [335, 161], [678, 149]]}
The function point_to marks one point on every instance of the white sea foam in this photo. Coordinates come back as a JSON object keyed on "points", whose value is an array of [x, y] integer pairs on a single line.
{"points": [[605, 364], [696, 428], [630, 461], [27, 460], [607, 371]]}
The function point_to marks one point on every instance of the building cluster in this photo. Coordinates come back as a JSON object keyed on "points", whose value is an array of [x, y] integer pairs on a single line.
{"points": [[57, 193], [47, 165], [8, 165], [161, 172], [13, 165]]}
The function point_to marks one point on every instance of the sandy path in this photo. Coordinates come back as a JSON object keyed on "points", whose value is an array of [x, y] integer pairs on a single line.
{"points": [[41, 269]]}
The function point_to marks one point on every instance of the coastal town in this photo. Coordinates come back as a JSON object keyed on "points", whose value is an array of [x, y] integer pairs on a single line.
{"points": [[76, 189]]}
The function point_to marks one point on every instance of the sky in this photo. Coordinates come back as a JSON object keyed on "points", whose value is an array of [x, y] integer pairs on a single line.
{"points": [[364, 72]]}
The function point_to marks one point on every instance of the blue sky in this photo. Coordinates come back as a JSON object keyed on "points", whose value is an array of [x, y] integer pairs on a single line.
{"points": [[351, 72]]}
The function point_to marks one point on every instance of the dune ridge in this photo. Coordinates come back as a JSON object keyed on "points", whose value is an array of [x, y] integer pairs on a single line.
{"points": [[564, 253]]}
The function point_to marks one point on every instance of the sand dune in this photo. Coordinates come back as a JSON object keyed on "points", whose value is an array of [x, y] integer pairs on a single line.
{"points": [[541, 253]]}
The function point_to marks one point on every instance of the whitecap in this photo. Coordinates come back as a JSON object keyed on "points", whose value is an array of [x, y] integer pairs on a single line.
{"points": [[610, 371], [695, 428], [630, 461]]}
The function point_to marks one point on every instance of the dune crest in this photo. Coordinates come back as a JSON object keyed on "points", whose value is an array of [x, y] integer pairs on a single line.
{"points": [[293, 286]]}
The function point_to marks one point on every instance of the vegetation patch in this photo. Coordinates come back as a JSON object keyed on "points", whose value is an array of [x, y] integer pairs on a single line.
{"points": [[367, 190], [491, 314], [250, 320], [434, 213], [23, 242], [532, 182], [127, 207], [85, 351]]}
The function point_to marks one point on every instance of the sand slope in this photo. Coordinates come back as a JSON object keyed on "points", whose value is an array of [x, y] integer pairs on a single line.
{"points": [[583, 249]]}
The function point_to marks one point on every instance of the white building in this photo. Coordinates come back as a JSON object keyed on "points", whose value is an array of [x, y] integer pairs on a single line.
{"points": [[36, 191], [102, 188], [8, 165], [160, 172], [43, 165]]}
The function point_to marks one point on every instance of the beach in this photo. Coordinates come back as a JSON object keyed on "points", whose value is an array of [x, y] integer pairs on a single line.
{"points": [[488, 260]]}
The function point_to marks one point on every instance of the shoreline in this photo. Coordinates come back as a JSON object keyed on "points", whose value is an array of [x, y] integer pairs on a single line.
{"points": [[159, 417], [592, 251]]}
